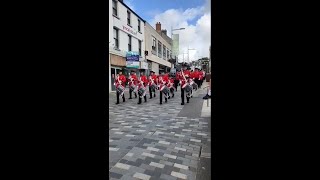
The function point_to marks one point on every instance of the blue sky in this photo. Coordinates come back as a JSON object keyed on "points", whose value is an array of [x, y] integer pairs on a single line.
{"points": [[147, 9], [193, 15]]}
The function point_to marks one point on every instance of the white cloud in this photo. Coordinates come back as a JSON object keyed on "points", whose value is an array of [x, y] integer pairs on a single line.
{"points": [[195, 36]]}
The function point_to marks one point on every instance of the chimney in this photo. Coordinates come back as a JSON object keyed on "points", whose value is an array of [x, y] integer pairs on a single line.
{"points": [[164, 31], [158, 27]]}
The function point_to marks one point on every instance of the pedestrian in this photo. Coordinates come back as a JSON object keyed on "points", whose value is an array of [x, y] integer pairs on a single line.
{"points": [[143, 81], [208, 95], [133, 80], [120, 82]]}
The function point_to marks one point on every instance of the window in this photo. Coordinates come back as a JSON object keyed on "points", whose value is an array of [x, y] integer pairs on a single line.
{"points": [[168, 54], [139, 22], [159, 49], [114, 7], [116, 37], [129, 43], [164, 52], [154, 45], [128, 18], [139, 47]]}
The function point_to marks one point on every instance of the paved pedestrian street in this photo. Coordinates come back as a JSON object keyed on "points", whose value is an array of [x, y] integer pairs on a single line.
{"points": [[150, 141]]}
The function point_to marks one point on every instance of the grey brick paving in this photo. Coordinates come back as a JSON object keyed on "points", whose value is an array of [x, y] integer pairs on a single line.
{"points": [[153, 141]]}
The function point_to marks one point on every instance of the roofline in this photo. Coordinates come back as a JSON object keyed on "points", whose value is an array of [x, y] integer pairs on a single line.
{"points": [[132, 11]]}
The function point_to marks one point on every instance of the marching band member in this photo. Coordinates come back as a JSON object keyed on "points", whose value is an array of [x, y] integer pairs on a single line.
{"points": [[120, 82], [143, 81], [196, 76], [176, 80], [184, 77], [162, 86], [152, 84], [132, 84], [171, 86]]}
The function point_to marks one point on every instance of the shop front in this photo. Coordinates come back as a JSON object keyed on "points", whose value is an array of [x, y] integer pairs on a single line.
{"points": [[118, 63]]}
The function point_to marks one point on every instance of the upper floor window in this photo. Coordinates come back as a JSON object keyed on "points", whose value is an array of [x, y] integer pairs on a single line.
{"points": [[159, 49], [114, 7], [139, 47], [139, 27], [128, 17], [129, 43], [168, 54], [154, 45], [116, 37], [164, 52]]}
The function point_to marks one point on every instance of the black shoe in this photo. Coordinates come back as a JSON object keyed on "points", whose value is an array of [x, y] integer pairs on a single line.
{"points": [[160, 103], [130, 98], [117, 103], [182, 103], [169, 97], [206, 97], [139, 102]]}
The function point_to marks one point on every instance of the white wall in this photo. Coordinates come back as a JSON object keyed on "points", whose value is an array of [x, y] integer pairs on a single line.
{"points": [[121, 23], [155, 67], [149, 32]]}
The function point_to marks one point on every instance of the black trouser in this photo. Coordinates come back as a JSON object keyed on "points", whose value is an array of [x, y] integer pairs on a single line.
{"points": [[165, 98], [140, 99], [198, 82], [172, 91], [182, 97], [150, 91], [130, 93], [176, 82], [118, 97]]}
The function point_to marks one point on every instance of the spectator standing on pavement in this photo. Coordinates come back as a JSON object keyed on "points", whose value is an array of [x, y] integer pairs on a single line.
{"points": [[208, 95]]}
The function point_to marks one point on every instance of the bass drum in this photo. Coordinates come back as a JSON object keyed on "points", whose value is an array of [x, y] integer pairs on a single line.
{"points": [[141, 91], [195, 86], [132, 88], [153, 87], [165, 90], [188, 88], [120, 89]]}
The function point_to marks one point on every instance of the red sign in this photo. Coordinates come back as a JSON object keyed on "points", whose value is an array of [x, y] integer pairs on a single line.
{"points": [[129, 30]]}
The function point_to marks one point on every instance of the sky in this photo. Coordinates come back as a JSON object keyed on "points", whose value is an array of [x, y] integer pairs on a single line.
{"points": [[193, 15]]}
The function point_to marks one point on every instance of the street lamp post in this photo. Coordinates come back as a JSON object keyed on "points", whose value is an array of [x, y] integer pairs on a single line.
{"points": [[188, 54]]}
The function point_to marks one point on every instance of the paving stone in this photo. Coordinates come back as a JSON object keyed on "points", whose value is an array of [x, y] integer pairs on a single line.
{"points": [[178, 175], [141, 176]]}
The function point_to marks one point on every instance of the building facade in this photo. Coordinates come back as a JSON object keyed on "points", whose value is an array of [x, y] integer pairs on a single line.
{"points": [[126, 34], [158, 48]]}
